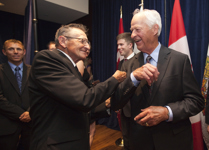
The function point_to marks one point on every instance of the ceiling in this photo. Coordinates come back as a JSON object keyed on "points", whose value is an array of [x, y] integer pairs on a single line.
{"points": [[58, 11]]}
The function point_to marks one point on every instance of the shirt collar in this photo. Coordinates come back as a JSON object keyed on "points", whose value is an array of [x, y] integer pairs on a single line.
{"points": [[14, 66], [67, 57], [154, 54], [130, 56]]}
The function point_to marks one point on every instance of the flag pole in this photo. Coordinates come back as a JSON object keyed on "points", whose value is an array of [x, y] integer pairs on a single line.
{"points": [[121, 14], [165, 25], [35, 21], [142, 5]]}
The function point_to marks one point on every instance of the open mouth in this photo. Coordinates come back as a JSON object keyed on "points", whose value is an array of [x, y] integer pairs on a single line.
{"points": [[137, 41]]}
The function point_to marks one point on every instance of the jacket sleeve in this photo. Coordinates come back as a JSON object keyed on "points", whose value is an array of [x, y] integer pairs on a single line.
{"points": [[54, 77]]}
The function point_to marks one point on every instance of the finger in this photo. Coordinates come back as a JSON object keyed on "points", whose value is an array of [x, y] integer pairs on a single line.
{"points": [[21, 116], [139, 116]]}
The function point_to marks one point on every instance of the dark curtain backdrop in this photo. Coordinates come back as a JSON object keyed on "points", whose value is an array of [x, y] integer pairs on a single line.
{"points": [[12, 27], [106, 15]]}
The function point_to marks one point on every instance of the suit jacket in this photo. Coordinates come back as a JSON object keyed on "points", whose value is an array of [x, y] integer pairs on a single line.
{"points": [[12, 102], [126, 110], [60, 102], [177, 88]]}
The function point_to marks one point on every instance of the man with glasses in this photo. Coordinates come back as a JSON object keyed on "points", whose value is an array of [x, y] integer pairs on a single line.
{"points": [[60, 101]]}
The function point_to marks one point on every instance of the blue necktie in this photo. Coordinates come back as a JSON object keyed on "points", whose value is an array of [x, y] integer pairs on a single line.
{"points": [[18, 77]]}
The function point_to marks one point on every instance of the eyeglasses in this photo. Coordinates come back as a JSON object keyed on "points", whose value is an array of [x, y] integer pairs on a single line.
{"points": [[83, 41]]}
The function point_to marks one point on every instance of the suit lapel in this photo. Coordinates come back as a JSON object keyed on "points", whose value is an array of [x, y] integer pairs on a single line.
{"points": [[11, 77], [162, 65], [25, 76]]}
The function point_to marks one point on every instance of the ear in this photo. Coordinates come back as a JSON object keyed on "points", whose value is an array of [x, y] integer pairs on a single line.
{"points": [[155, 29], [24, 52], [130, 45], [4, 52], [62, 40]]}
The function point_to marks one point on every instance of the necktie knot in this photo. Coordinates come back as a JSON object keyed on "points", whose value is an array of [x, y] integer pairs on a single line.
{"points": [[148, 59], [126, 59], [17, 68]]}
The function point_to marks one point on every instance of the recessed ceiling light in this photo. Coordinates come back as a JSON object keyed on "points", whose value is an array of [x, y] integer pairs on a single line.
{"points": [[1, 4]]}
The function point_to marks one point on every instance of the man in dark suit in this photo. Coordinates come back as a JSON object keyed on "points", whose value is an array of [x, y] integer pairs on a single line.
{"points": [[60, 101], [125, 47], [163, 92], [14, 98]]}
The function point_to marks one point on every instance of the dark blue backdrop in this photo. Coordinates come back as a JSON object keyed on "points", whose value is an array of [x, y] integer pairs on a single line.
{"points": [[12, 27], [106, 15]]}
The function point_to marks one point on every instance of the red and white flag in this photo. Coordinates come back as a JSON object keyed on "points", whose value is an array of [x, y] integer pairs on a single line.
{"points": [[121, 30], [178, 42]]}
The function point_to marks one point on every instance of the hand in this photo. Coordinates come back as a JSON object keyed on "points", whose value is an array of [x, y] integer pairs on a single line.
{"points": [[119, 75], [25, 117], [148, 72], [95, 82], [107, 103], [152, 115]]}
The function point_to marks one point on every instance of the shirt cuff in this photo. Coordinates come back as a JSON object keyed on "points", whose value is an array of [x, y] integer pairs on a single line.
{"points": [[170, 114], [108, 111], [133, 79]]}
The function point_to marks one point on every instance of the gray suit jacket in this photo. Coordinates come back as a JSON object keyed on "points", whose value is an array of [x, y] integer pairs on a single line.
{"points": [[12, 102], [176, 87], [60, 102]]}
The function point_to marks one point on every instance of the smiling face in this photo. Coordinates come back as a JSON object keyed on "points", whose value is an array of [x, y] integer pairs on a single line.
{"points": [[145, 37], [124, 48], [76, 49], [14, 52]]}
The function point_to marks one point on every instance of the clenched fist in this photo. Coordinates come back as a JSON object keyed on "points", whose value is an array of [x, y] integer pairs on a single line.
{"points": [[119, 75], [148, 72]]}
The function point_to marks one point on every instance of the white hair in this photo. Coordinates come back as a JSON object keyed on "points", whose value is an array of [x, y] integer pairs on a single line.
{"points": [[152, 18]]}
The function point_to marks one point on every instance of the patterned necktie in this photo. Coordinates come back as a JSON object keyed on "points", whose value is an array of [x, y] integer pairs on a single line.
{"points": [[148, 61], [18, 77]]}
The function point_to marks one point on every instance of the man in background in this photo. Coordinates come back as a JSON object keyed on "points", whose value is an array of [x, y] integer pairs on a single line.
{"points": [[161, 88], [51, 46], [125, 47], [60, 101], [14, 98]]}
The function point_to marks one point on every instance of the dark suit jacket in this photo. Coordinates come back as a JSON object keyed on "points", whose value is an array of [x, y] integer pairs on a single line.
{"points": [[12, 102], [60, 102], [176, 87]]}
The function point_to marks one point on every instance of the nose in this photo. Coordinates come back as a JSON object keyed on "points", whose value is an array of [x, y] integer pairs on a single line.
{"points": [[15, 50], [133, 34], [87, 46]]}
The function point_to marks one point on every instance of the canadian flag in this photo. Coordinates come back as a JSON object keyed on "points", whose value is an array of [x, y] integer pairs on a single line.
{"points": [[178, 42], [121, 30]]}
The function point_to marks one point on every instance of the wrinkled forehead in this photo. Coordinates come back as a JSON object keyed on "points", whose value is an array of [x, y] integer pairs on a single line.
{"points": [[138, 21], [75, 32]]}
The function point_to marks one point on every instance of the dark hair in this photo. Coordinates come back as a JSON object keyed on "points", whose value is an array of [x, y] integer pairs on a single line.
{"points": [[126, 36]]}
